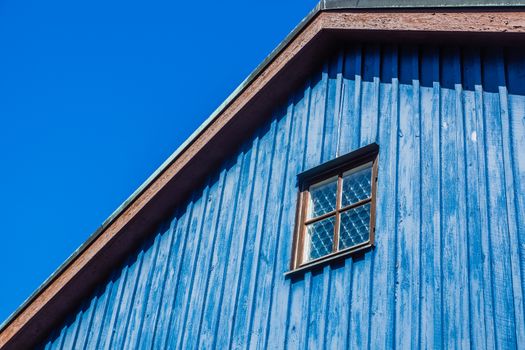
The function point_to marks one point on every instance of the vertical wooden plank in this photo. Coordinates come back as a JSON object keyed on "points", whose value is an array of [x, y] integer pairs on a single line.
{"points": [[280, 300], [183, 236], [100, 315], [486, 249], [136, 315], [233, 272], [339, 306], [462, 241], [312, 328], [321, 296], [498, 225], [304, 320], [316, 155], [408, 202], [316, 124], [429, 104], [129, 298], [516, 108], [270, 230], [455, 279], [438, 216], [362, 265], [216, 289], [66, 335], [370, 94], [338, 301], [351, 104], [511, 197], [248, 282], [383, 275], [126, 302], [195, 303], [72, 328], [114, 307], [333, 107], [339, 96], [86, 322], [149, 324], [171, 327], [298, 310], [114, 284], [300, 289], [473, 116], [349, 140], [178, 233], [173, 241]]}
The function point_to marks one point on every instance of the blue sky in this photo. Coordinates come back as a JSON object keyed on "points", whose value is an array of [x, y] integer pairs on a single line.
{"points": [[94, 96]]}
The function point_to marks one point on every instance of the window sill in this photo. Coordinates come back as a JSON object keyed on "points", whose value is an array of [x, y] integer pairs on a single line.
{"points": [[328, 260]]}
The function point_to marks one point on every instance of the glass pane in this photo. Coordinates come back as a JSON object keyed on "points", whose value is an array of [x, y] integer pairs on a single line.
{"points": [[320, 238], [355, 226], [356, 185], [322, 198]]}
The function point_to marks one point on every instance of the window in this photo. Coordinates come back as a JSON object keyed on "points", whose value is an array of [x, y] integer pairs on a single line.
{"points": [[336, 209]]}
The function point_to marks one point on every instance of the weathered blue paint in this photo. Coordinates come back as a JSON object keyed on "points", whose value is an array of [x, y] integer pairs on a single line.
{"points": [[449, 263]]}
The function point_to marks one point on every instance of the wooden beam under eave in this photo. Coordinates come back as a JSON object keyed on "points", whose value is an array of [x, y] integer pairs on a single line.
{"points": [[451, 20]]}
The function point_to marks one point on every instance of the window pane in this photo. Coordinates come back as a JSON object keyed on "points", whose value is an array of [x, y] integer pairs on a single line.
{"points": [[320, 236], [322, 198], [355, 226], [357, 185]]}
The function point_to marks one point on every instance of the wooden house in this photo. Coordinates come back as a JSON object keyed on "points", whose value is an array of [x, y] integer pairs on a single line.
{"points": [[364, 188]]}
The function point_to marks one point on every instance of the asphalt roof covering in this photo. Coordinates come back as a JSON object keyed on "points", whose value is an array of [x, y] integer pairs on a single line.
{"points": [[323, 5]]}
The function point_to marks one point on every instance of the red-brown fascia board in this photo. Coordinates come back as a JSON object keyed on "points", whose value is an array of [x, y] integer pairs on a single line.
{"points": [[287, 67]]}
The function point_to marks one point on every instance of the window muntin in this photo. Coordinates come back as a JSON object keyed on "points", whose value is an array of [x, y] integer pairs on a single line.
{"points": [[336, 209]]}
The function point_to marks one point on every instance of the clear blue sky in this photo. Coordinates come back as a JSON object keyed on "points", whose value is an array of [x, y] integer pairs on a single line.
{"points": [[94, 96]]}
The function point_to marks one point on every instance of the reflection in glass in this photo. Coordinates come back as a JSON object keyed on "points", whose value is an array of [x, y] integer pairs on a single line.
{"points": [[356, 186], [322, 198], [320, 237], [355, 226]]}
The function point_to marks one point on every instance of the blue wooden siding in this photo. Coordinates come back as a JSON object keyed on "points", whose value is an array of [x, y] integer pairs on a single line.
{"points": [[449, 263]]}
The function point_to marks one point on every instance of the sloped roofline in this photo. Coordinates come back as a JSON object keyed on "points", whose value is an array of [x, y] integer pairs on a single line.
{"points": [[498, 18]]}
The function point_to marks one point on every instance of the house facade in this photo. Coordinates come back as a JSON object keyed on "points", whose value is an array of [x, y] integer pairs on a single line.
{"points": [[365, 188]]}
